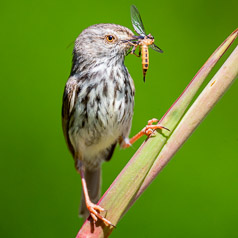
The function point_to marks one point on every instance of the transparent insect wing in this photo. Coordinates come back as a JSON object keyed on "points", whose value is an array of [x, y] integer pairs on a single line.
{"points": [[136, 21], [156, 48]]}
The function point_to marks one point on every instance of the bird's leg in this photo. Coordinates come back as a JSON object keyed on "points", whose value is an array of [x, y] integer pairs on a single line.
{"points": [[147, 130], [93, 209]]}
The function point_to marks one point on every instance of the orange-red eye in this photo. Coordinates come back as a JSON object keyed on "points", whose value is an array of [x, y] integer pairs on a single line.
{"points": [[110, 38]]}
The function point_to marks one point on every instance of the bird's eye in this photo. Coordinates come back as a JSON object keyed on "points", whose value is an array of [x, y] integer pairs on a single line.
{"points": [[110, 38]]}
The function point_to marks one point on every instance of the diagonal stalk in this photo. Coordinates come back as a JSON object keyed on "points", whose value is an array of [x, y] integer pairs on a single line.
{"points": [[143, 167], [197, 112]]}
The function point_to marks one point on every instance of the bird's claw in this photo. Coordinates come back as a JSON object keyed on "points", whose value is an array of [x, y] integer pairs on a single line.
{"points": [[95, 210], [150, 128]]}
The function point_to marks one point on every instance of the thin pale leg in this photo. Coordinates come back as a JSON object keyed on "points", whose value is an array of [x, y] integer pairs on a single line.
{"points": [[147, 130], [93, 209], [135, 45], [134, 49]]}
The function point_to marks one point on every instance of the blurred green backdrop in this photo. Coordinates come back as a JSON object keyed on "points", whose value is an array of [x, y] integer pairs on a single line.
{"points": [[196, 195]]}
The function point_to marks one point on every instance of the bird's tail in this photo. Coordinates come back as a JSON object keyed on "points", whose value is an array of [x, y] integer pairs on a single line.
{"points": [[93, 181]]}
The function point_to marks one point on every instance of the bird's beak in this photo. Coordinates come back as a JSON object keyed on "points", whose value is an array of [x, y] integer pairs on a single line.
{"points": [[138, 37], [133, 39]]}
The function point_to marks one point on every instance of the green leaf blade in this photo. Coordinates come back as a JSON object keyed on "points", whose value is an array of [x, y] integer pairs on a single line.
{"points": [[153, 154]]}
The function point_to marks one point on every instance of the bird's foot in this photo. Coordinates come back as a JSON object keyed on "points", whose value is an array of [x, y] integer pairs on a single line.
{"points": [[95, 210], [149, 129]]}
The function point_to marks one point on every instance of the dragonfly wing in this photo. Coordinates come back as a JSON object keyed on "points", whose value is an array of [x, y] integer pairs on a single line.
{"points": [[156, 48], [136, 21]]}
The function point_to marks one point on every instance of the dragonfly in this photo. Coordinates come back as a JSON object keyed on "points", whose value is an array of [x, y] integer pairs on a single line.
{"points": [[143, 41]]}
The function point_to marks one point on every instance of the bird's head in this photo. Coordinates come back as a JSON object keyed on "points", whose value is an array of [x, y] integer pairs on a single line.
{"points": [[104, 42]]}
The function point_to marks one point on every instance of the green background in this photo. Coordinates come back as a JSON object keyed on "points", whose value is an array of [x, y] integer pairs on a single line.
{"points": [[196, 195]]}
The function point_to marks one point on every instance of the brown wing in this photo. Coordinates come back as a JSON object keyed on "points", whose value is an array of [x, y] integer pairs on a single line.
{"points": [[67, 107], [110, 151]]}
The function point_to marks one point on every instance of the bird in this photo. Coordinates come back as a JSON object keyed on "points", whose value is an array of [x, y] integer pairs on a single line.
{"points": [[97, 108]]}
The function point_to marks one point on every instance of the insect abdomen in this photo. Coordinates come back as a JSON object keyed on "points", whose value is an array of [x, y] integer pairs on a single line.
{"points": [[145, 59]]}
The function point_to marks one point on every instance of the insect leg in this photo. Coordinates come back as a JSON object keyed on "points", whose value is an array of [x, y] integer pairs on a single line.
{"points": [[134, 49], [139, 51]]}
